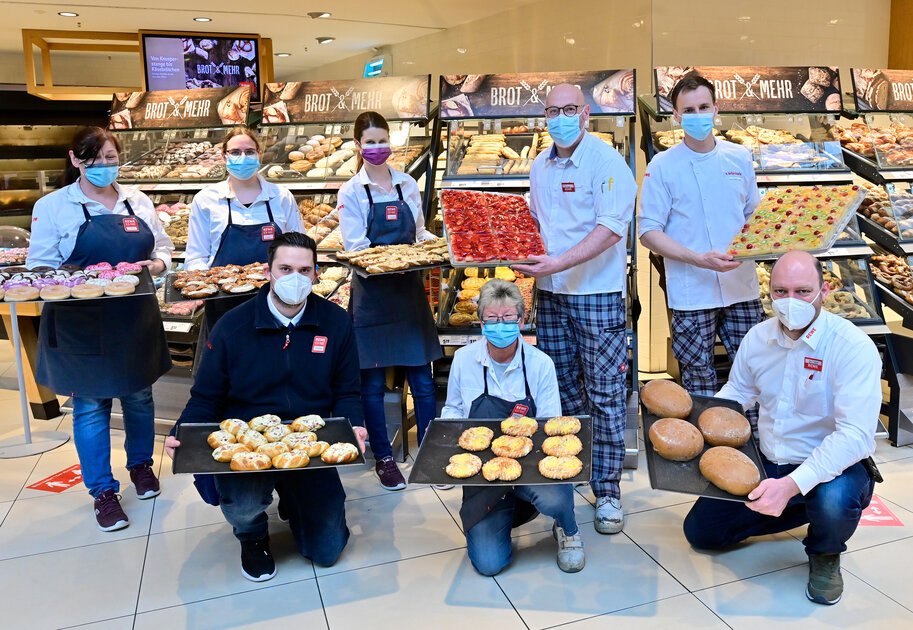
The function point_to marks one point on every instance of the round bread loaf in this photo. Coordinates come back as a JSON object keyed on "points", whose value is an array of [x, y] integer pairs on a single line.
{"points": [[666, 399], [722, 426], [676, 439], [730, 470]]}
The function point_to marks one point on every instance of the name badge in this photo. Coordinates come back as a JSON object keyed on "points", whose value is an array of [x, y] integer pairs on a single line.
{"points": [[813, 364], [131, 224], [320, 345], [568, 187], [267, 233], [392, 213], [519, 410]]}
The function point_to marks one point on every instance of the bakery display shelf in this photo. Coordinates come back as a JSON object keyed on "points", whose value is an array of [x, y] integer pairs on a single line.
{"points": [[884, 238], [173, 294], [145, 287], [895, 302], [686, 477], [870, 170], [449, 298], [194, 455], [441, 442]]}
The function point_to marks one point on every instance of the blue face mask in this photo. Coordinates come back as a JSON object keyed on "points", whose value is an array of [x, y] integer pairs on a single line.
{"points": [[698, 126], [243, 166], [564, 130], [501, 334], [102, 176]]}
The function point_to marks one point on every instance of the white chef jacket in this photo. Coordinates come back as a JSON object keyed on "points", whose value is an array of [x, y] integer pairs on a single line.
{"points": [[353, 206], [209, 218], [701, 200], [465, 383], [569, 198], [819, 396], [57, 217]]}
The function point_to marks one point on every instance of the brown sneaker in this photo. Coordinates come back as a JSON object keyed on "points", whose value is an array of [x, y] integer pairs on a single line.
{"points": [[388, 473], [147, 486], [108, 512]]}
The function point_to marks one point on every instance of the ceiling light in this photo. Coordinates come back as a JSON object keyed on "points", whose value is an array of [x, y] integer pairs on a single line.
{"points": [[744, 18], [832, 22], [316, 15], [570, 41], [462, 51], [326, 40], [202, 19], [283, 54], [67, 14]]}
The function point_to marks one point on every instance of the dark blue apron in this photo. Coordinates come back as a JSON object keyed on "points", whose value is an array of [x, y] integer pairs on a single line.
{"points": [[104, 348], [390, 314], [478, 501]]}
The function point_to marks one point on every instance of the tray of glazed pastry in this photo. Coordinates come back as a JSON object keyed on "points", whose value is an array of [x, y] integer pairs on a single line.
{"points": [[698, 445], [71, 284], [265, 443], [215, 283], [387, 259], [512, 451]]}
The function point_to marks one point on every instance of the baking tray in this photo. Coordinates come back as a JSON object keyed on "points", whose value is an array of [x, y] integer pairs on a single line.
{"points": [[146, 286], [195, 455], [440, 443], [361, 272], [686, 477], [173, 295]]}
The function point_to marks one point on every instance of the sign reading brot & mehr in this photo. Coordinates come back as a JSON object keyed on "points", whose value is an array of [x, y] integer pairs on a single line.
{"points": [[180, 109]]}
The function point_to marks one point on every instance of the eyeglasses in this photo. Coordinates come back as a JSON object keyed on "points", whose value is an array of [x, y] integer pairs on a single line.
{"points": [[236, 153], [567, 110], [507, 319], [97, 163]]}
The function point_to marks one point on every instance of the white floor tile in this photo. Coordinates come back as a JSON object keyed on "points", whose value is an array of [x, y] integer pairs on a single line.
{"points": [[886, 568], [885, 452], [295, 605], [440, 591], [4, 509], [361, 482], [898, 482], [121, 623], [179, 506], [13, 475], [680, 612], [72, 587]]}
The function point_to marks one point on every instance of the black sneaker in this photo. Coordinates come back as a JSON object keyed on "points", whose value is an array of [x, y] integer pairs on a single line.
{"points": [[257, 563], [388, 473], [825, 583], [108, 512], [145, 482]]}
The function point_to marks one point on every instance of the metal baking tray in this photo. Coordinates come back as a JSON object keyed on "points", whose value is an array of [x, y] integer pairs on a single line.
{"points": [[362, 272], [194, 455], [146, 286], [441, 442], [173, 295], [686, 477]]}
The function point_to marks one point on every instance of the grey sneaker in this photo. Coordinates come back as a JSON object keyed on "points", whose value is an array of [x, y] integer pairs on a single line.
{"points": [[825, 583], [570, 550], [610, 517], [108, 512]]}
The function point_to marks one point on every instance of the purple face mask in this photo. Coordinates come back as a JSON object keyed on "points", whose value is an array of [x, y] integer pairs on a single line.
{"points": [[376, 154]]}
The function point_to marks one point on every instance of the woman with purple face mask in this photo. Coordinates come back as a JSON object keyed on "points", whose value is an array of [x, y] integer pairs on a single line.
{"points": [[392, 318]]}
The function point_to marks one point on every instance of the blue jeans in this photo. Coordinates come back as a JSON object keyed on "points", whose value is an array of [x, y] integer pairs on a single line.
{"points": [[488, 541], [831, 509], [372, 399], [92, 436], [313, 501]]}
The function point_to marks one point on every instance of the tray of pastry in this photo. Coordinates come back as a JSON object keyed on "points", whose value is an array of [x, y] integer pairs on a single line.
{"points": [[215, 283], [685, 476], [329, 280], [389, 259], [71, 284], [443, 438], [458, 309], [197, 455]]}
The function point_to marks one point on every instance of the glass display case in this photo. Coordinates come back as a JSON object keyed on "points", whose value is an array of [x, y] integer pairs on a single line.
{"points": [[879, 146], [171, 155], [321, 221], [886, 216]]}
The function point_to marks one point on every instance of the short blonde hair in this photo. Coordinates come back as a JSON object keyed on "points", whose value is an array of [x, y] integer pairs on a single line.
{"points": [[499, 293]]}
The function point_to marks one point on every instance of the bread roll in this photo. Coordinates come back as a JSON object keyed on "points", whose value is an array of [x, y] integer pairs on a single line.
{"points": [[730, 470], [676, 439], [252, 439], [273, 448], [340, 453], [666, 399], [225, 452], [220, 438], [250, 461], [722, 426], [292, 459], [308, 423], [313, 449], [261, 423], [298, 439], [233, 426], [276, 433]]}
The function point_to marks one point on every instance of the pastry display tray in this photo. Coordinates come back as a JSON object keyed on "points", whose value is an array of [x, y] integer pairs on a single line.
{"points": [[194, 455], [686, 477], [362, 272], [173, 295], [146, 286], [441, 442]]}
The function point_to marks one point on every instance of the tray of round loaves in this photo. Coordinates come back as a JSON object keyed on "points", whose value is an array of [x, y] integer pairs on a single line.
{"points": [[72, 284], [498, 451], [215, 283], [265, 443], [698, 444]]}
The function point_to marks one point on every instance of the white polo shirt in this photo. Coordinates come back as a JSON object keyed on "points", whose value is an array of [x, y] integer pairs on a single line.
{"points": [[819, 396], [701, 200], [569, 198]]}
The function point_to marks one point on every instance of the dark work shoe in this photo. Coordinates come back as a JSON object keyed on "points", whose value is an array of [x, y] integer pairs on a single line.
{"points": [[825, 583], [388, 473], [257, 563], [143, 479], [108, 512]]}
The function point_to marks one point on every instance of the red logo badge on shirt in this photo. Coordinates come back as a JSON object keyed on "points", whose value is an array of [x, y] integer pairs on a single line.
{"points": [[568, 187], [392, 213], [519, 410], [813, 364], [320, 345], [131, 224], [267, 233]]}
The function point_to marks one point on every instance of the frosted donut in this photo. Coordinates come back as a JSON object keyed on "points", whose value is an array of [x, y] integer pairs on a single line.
{"points": [[109, 274], [102, 266], [101, 282], [127, 267], [128, 278]]}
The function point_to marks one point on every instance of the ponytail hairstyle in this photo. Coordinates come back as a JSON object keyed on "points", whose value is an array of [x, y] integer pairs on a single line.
{"points": [[241, 131], [86, 145], [367, 120]]}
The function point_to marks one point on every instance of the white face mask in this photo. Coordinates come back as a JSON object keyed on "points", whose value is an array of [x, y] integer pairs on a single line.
{"points": [[793, 313], [293, 288]]}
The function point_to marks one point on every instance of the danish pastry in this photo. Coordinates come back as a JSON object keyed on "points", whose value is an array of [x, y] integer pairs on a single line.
{"points": [[299, 439], [252, 439], [308, 423], [219, 438], [519, 426], [560, 467], [501, 469], [250, 461], [273, 448], [340, 453], [562, 425], [225, 452], [276, 433], [292, 459], [233, 426], [476, 438], [313, 449], [261, 423], [463, 465], [511, 446], [562, 445]]}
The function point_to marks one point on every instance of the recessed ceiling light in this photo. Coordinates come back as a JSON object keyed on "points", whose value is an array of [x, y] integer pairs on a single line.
{"points": [[462, 51], [326, 40], [67, 14], [202, 19], [283, 54], [315, 15]]}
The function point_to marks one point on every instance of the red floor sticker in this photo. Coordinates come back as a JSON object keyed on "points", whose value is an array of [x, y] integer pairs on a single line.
{"points": [[878, 514], [58, 482]]}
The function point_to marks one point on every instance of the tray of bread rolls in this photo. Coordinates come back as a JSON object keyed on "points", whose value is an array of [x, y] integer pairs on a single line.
{"points": [[72, 284], [265, 443], [507, 452], [698, 445], [215, 283]]}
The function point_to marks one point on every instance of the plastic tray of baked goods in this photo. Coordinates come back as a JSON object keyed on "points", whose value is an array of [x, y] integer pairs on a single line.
{"points": [[215, 283], [686, 477], [22, 286], [195, 455], [390, 259], [441, 442]]}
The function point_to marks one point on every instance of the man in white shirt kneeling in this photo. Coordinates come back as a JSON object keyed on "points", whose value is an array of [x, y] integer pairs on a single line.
{"points": [[816, 378]]}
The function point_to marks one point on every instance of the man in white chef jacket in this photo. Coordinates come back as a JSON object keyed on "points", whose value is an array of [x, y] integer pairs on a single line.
{"points": [[817, 379], [696, 197]]}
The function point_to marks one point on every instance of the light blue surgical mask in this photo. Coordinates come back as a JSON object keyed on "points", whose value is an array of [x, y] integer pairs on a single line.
{"points": [[564, 130], [501, 334], [243, 166], [102, 175], [698, 126]]}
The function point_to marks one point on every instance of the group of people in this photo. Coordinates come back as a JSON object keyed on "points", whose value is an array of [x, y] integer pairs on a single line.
{"points": [[808, 379]]}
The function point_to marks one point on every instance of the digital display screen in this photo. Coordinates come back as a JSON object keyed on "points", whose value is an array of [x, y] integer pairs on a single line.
{"points": [[175, 62], [374, 68]]}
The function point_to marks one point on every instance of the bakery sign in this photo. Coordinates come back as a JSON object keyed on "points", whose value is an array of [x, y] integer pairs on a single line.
{"points": [[507, 95], [395, 98], [179, 109], [759, 89], [879, 90]]}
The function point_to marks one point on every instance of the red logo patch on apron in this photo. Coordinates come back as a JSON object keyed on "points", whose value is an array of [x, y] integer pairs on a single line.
{"points": [[392, 213], [267, 233], [813, 364], [519, 410], [131, 224], [623, 368], [568, 186], [320, 345]]}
